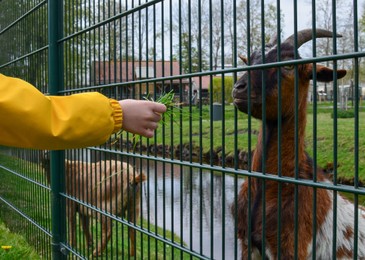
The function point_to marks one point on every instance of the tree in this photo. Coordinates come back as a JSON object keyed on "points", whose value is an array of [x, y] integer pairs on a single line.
{"points": [[344, 25], [249, 22], [20, 39], [217, 31], [207, 26], [362, 42], [191, 31], [344, 21]]}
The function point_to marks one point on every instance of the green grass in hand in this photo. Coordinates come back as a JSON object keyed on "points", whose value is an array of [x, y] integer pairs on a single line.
{"points": [[166, 99]]}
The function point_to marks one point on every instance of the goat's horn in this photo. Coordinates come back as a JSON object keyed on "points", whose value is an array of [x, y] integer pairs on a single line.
{"points": [[307, 35], [273, 40]]}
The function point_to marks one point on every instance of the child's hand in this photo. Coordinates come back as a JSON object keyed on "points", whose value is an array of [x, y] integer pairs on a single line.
{"points": [[140, 116]]}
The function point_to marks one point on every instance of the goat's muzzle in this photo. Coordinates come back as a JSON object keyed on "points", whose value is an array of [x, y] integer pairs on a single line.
{"points": [[242, 100]]}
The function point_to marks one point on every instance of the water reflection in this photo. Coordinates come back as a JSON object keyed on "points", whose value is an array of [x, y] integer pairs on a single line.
{"points": [[193, 204]]}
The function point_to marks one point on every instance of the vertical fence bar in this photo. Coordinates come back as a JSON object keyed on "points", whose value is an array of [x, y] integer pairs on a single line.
{"points": [[335, 133], [265, 131], [249, 127], [57, 161], [279, 229], [211, 143], [356, 131], [235, 115], [314, 53], [296, 131], [223, 155]]}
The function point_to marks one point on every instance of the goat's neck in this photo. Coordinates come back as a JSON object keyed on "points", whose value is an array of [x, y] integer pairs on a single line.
{"points": [[268, 147]]}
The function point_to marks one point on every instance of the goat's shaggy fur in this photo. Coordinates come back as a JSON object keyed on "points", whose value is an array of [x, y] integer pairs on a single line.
{"points": [[110, 186], [323, 215]]}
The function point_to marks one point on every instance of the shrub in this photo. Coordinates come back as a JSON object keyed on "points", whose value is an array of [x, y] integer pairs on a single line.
{"points": [[217, 89], [344, 114]]}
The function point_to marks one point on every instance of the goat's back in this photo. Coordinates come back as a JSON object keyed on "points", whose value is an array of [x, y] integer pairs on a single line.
{"points": [[106, 184]]}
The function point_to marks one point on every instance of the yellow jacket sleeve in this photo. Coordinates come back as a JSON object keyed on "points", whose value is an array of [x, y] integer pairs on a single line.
{"points": [[29, 119]]}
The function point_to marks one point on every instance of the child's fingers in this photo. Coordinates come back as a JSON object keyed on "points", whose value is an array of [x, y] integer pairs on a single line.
{"points": [[152, 125], [155, 117], [148, 132], [159, 108]]}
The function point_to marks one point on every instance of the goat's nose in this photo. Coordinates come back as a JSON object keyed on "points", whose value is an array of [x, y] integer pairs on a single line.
{"points": [[241, 83], [239, 90], [239, 87]]}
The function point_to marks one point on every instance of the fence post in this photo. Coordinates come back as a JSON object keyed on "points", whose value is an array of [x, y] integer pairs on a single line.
{"points": [[55, 68]]}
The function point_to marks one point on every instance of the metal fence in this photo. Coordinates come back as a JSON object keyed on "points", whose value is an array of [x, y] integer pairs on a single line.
{"points": [[205, 150]]}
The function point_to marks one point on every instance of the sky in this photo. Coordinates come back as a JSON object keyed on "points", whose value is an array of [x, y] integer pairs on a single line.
{"points": [[304, 13]]}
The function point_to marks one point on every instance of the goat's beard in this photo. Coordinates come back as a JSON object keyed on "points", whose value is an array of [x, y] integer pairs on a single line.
{"points": [[243, 106]]}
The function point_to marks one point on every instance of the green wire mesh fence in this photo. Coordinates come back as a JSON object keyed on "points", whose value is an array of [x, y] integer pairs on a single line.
{"points": [[180, 194]]}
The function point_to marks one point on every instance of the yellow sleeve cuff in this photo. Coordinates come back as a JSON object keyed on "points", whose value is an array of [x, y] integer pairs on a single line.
{"points": [[117, 114]]}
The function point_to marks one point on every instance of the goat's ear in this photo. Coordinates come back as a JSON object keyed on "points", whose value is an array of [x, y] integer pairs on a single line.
{"points": [[243, 58], [325, 74]]}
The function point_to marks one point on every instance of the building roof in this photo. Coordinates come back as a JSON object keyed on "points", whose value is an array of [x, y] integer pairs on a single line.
{"points": [[203, 80], [104, 72]]}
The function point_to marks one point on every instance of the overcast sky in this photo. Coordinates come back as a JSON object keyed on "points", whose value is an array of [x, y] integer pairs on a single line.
{"points": [[304, 13]]}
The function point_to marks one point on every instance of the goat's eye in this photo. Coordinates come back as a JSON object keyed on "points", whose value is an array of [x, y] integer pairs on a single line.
{"points": [[289, 67]]}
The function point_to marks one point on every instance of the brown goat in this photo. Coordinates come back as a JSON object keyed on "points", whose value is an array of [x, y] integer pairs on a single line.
{"points": [[268, 138], [110, 186]]}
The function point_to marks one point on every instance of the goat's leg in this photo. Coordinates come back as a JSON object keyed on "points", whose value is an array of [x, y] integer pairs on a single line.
{"points": [[106, 231], [133, 215], [132, 237], [71, 216], [85, 221], [240, 212]]}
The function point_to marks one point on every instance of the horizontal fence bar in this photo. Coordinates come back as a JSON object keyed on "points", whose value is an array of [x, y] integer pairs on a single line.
{"points": [[24, 57], [223, 71], [26, 178], [134, 226], [111, 19], [34, 223], [66, 247], [35, 8]]}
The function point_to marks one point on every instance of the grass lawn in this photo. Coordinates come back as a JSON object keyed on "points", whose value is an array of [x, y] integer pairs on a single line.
{"points": [[14, 246], [344, 148]]}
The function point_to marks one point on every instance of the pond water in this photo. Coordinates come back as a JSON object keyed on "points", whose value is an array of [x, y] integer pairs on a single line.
{"points": [[194, 205]]}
